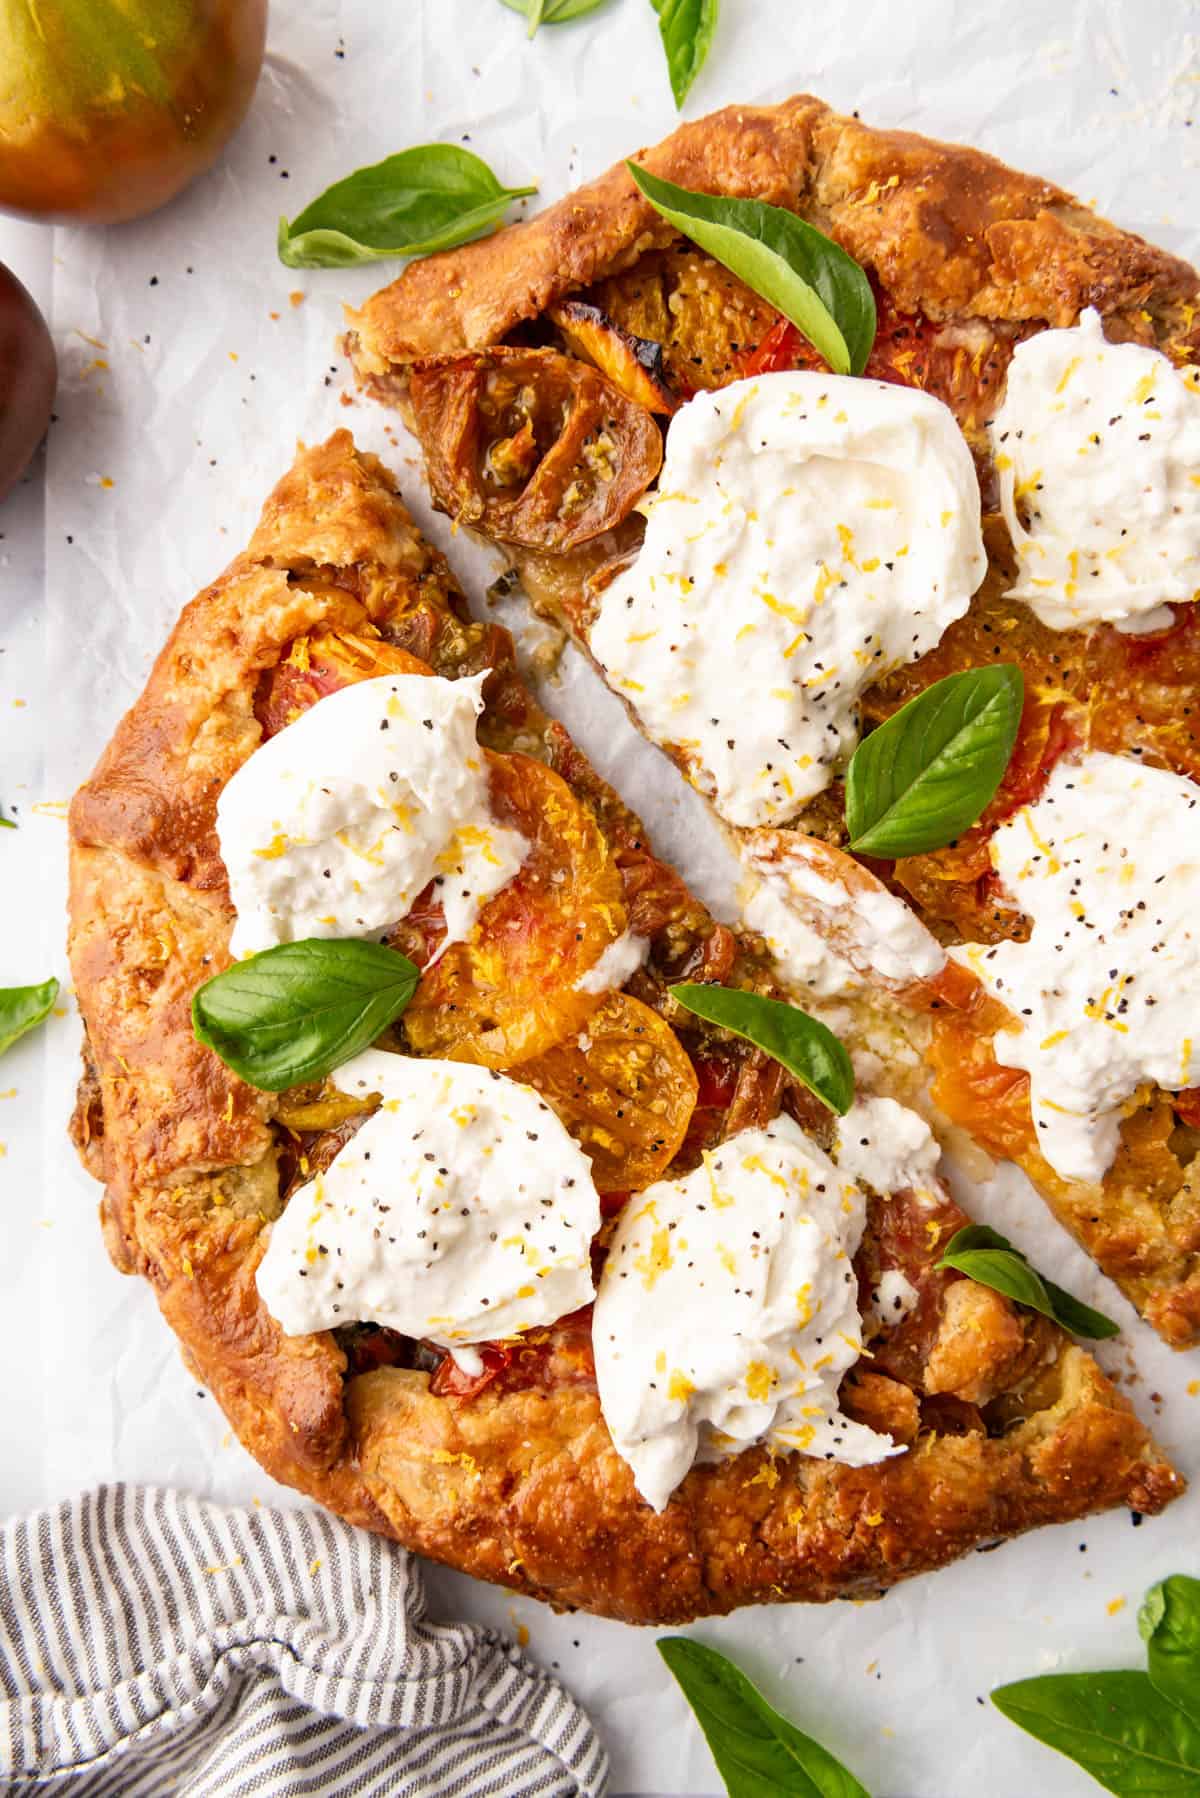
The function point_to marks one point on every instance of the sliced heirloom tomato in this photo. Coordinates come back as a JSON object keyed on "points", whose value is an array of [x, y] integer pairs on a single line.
{"points": [[964, 365], [558, 1355], [989, 1100], [508, 993], [532, 447], [323, 663], [625, 1089]]}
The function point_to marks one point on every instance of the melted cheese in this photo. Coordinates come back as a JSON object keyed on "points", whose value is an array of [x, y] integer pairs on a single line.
{"points": [[461, 1211], [335, 825], [810, 532], [1098, 449]]}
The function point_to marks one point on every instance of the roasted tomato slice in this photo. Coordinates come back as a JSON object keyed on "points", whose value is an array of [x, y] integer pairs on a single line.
{"points": [[1187, 1105], [532, 447], [632, 363], [625, 1089], [559, 1355], [321, 664], [973, 1088], [508, 993]]}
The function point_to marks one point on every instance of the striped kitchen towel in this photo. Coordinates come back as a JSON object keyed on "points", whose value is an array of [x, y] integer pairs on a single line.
{"points": [[151, 1644]]}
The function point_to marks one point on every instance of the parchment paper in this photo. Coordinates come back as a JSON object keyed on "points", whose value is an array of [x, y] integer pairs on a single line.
{"points": [[191, 361]]}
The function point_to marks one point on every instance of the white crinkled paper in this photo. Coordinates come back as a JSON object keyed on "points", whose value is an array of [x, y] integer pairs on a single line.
{"points": [[187, 374]]}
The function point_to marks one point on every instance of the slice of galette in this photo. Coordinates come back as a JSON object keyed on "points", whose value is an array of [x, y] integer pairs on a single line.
{"points": [[1013, 477]]}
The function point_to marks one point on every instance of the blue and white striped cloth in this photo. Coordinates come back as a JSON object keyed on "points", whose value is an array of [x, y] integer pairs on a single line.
{"points": [[151, 1643]]}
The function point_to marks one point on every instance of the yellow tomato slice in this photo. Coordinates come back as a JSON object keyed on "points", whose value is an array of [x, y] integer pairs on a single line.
{"points": [[507, 993], [625, 1089]]}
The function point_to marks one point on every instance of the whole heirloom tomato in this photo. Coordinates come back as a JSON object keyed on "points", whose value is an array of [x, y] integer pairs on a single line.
{"points": [[108, 108], [28, 372]]}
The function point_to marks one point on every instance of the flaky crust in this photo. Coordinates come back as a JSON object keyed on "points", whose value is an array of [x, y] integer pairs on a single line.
{"points": [[521, 1487], [949, 232]]}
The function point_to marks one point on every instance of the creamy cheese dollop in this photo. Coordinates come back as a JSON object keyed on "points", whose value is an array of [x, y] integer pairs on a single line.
{"points": [[459, 1212], [809, 533], [335, 825], [888, 1147], [728, 1312], [617, 964], [1098, 445], [1106, 993], [827, 940]]}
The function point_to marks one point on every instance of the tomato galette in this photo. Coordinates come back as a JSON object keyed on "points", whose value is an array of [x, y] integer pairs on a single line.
{"points": [[767, 559], [544, 1274]]}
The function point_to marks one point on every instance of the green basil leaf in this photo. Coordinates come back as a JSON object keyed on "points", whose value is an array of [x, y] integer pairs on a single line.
{"points": [[931, 770], [296, 1012], [804, 1045], [535, 12], [21, 1007], [759, 1754], [1115, 1726], [553, 12], [990, 1258], [1170, 1624], [803, 273], [686, 28], [7, 824], [421, 200]]}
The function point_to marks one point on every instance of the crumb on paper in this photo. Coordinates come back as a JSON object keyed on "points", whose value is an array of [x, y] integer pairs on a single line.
{"points": [[1193, 1387], [274, 315], [297, 297], [1115, 1605]]}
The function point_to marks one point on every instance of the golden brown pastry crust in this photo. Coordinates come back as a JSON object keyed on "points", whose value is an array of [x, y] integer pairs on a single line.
{"points": [[521, 1487], [949, 233]]}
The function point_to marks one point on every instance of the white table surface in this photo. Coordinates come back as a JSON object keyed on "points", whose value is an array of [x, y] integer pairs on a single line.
{"points": [[186, 376]]}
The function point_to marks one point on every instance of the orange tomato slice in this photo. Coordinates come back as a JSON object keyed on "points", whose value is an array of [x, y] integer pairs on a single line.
{"points": [[324, 663], [626, 1090], [507, 994]]}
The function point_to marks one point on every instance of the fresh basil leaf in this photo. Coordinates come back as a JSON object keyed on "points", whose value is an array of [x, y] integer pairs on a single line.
{"points": [[990, 1258], [804, 1045], [553, 12], [1115, 1726], [803, 273], [421, 200], [296, 1012], [1170, 1624], [535, 12], [7, 824], [21, 1007], [686, 28], [931, 770], [759, 1754]]}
